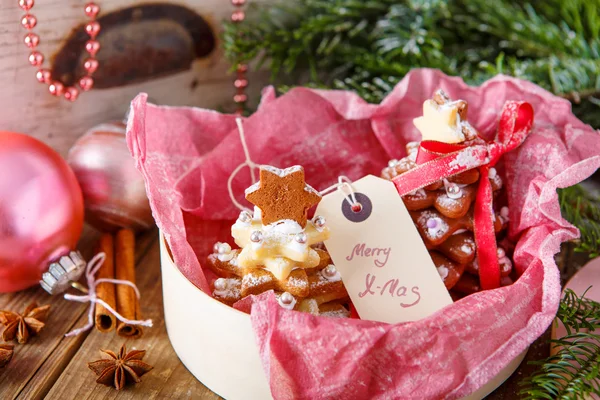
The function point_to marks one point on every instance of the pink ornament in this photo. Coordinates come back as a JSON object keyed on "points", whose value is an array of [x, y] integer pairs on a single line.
{"points": [[238, 16], [31, 40], [56, 88], [113, 189], [90, 65], [91, 10], [36, 58], [240, 83], [26, 4], [240, 98], [43, 75], [71, 93], [92, 47], [41, 210], [28, 21], [92, 28], [86, 83]]}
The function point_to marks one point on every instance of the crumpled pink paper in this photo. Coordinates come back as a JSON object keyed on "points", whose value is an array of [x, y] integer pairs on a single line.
{"points": [[186, 156]]}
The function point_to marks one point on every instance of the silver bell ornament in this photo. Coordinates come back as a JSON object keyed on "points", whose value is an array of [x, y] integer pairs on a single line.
{"points": [[113, 189]]}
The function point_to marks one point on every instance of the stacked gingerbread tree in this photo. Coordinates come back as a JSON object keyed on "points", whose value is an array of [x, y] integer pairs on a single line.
{"points": [[443, 211], [280, 249]]}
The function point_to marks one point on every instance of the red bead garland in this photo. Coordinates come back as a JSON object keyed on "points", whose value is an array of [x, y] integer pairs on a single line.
{"points": [[92, 46], [241, 81]]}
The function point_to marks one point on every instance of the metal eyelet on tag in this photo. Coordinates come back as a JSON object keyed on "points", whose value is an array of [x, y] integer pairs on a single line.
{"points": [[364, 212]]}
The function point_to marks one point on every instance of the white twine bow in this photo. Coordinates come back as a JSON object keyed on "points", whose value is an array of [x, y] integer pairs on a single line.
{"points": [[90, 275]]}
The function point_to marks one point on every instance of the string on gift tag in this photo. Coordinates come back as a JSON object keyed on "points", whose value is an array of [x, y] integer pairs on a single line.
{"points": [[344, 183], [247, 163], [90, 275]]}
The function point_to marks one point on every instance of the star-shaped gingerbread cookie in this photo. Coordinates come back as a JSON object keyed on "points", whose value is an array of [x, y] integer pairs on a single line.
{"points": [[282, 194]]}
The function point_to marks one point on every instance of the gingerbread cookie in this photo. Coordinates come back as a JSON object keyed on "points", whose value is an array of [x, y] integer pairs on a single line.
{"points": [[333, 310], [282, 194], [443, 210], [449, 271], [435, 228], [280, 249]]}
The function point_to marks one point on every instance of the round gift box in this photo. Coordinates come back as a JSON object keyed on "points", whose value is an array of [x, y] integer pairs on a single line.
{"points": [[216, 342]]}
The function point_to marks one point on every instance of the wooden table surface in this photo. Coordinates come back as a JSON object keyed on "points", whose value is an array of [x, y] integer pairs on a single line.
{"points": [[55, 367]]}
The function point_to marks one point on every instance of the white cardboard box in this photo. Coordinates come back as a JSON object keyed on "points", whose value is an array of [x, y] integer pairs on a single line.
{"points": [[216, 342]]}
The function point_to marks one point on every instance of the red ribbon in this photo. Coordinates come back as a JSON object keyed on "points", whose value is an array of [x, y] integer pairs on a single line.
{"points": [[437, 160]]}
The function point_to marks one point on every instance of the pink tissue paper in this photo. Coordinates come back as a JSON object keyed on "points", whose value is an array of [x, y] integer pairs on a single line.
{"points": [[187, 154]]}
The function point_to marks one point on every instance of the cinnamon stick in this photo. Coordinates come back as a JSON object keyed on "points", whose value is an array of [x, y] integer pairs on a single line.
{"points": [[127, 302], [106, 321]]}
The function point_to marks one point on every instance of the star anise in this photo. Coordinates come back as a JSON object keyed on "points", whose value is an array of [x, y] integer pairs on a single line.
{"points": [[120, 369], [6, 353], [22, 326]]}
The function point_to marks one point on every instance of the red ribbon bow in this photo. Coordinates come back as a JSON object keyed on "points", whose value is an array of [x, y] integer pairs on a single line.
{"points": [[437, 160]]}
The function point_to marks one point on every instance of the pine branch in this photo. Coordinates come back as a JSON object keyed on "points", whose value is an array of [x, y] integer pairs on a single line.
{"points": [[578, 313], [369, 45], [573, 372], [582, 209]]}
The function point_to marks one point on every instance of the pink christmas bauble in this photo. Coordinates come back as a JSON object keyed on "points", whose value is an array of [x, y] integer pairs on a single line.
{"points": [[41, 210], [113, 190]]}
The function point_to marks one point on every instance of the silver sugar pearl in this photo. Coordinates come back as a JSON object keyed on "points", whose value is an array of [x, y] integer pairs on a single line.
{"points": [[492, 173], [454, 191], [500, 252], [301, 238], [245, 217], [220, 284], [319, 221], [330, 271], [286, 298], [392, 163], [224, 248], [256, 237], [216, 247]]}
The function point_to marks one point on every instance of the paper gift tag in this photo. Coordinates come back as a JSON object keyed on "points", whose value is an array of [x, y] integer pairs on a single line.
{"points": [[381, 257]]}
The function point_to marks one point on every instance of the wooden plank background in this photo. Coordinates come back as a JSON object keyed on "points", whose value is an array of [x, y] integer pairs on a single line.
{"points": [[52, 366], [27, 107]]}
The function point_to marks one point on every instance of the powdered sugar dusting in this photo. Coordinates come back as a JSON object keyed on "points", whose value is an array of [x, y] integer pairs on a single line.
{"points": [[283, 227], [335, 313], [296, 282], [252, 280], [417, 194], [281, 172], [445, 201], [466, 158], [467, 248]]}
